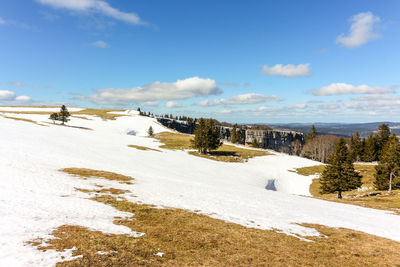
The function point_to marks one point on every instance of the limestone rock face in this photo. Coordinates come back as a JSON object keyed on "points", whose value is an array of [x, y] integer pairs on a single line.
{"points": [[279, 140], [290, 142]]}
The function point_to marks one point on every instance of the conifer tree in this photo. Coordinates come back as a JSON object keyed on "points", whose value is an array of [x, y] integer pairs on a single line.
{"points": [[150, 131], [370, 149], [255, 143], [63, 115], [312, 134], [206, 136], [339, 175], [356, 146], [54, 117], [235, 137], [381, 137], [389, 166]]}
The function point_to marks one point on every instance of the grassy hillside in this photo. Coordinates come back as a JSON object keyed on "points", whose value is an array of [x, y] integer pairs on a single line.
{"points": [[226, 153], [357, 197], [175, 237]]}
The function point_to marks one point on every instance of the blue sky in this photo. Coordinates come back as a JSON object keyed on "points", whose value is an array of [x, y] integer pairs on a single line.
{"points": [[237, 61]]}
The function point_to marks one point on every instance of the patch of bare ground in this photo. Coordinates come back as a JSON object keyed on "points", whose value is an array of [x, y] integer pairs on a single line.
{"points": [[190, 239], [22, 119], [368, 197], [90, 173], [144, 148], [225, 153], [102, 113]]}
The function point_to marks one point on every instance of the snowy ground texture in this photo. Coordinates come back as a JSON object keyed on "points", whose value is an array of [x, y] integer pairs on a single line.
{"points": [[36, 198]]}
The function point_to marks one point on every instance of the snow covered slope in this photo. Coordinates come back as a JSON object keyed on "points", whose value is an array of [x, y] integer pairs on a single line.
{"points": [[36, 198]]}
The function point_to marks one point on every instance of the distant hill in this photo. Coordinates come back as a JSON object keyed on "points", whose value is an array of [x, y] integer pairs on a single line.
{"points": [[339, 129]]}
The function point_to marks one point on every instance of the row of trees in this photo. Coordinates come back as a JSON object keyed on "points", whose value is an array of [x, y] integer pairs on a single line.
{"points": [[339, 175], [370, 148]]}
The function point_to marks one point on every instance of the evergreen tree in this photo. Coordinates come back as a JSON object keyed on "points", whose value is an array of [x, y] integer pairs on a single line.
{"points": [[150, 131], [356, 146], [206, 136], [54, 117], [312, 134], [382, 136], [339, 175], [370, 149], [235, 136], [63, 115], [389, 166], [255, 143]]}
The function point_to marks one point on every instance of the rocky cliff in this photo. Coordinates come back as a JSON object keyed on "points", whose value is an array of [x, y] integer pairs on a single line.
{"points": [[279, 140]]}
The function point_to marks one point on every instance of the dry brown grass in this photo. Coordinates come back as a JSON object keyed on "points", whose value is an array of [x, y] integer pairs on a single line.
{"points": [[112, 191], [90, 173], [81, 117], [190, 239], [22, 119], [102, 113], [381, 201], [144, 148], [226, 153]]}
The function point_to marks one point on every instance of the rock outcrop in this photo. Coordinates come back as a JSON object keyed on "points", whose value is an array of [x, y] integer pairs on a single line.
{"points": [[290, 142]]}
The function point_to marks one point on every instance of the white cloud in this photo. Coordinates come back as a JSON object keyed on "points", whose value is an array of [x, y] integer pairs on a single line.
{"points": [[329, 106], [17, 84], [171, 104], [181, 89], [250, 98], [288, 70], [6, 95], [266, 108], [99, 6], [100, 44], [361, 30], [224, 111], [300, 106], [2, 21], [23, 98], [345, 88]]}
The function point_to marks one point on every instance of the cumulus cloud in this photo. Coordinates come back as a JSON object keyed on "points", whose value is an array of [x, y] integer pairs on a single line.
{"points": [[100, 44], [171, 104], [288, 70], [97, 6], [224, 111], [23, 98], [2, 21], [6, 95], [329, 106], [361, 30], [181, 89], [243, 99], [345, 88]]}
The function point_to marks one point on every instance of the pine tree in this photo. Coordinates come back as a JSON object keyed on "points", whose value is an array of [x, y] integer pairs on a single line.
{"points": [[389, 166], [255, 143], [356, 146], [370, 149], [339, 175], [150, 131], [235, 136], [312, 134], [54, 117], [206, 136], [63, 115], [381, 137]]}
